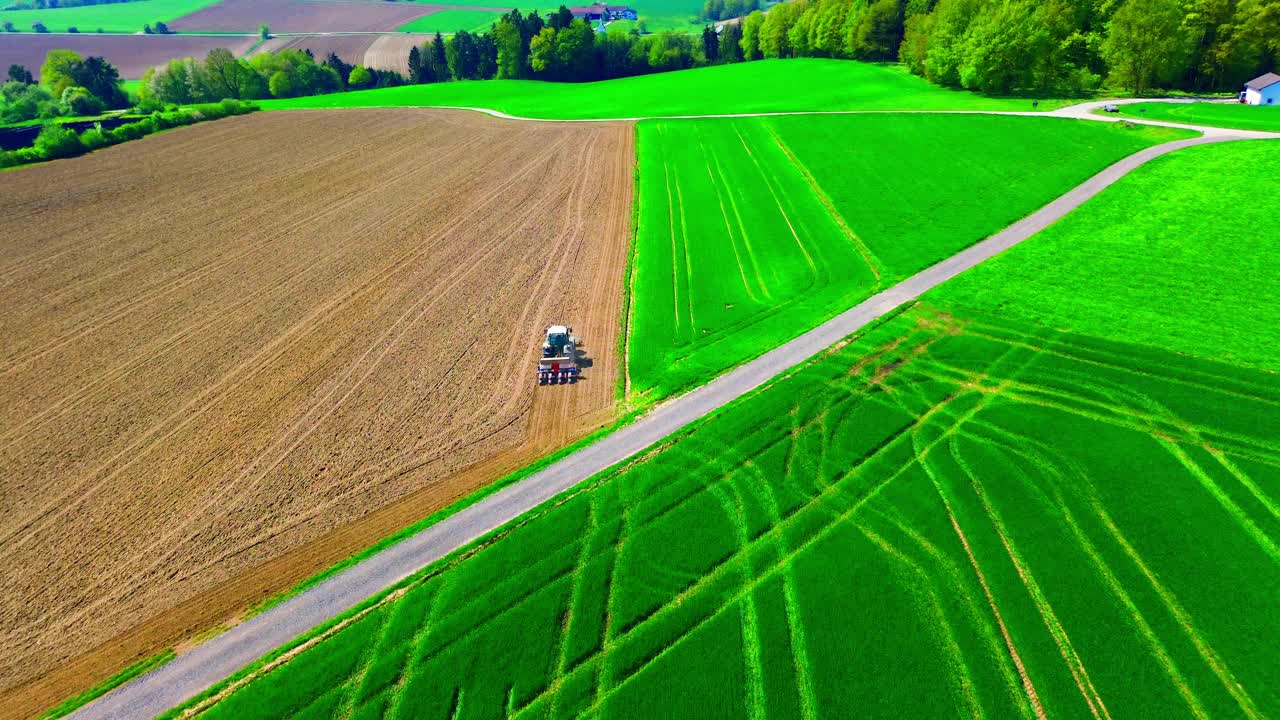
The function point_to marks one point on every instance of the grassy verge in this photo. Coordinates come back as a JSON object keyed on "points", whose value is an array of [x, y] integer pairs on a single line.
{"points": [[1227, 115], [628, 274], [142, 666]]}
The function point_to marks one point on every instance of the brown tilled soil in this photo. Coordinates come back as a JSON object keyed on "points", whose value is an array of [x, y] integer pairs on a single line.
{"points": [[302, 15], [351, 48], [236, 352], [391, 52], [384, 52], [131, 54]]}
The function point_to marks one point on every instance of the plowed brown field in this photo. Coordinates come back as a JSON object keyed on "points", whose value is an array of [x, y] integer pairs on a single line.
{"points": [[351, 48], [302, 15], [236, 352], [391, 52], [384, 52], [131, 54]]}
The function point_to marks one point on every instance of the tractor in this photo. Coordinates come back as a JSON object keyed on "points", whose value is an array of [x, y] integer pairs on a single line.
{"points": [[559, 361]]}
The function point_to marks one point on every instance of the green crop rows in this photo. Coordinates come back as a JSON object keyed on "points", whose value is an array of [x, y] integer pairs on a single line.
{"points": [[117, 17], [753, 230], [906, 529], [764, 86]]}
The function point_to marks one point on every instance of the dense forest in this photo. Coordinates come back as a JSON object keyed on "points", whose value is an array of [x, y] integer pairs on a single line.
{"points": [[1000, 46]]}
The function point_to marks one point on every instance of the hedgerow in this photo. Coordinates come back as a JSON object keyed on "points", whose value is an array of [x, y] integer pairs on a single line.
{"points": [[56, 142]]}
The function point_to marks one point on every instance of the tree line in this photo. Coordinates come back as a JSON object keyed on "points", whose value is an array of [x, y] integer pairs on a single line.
{"points": [[992, 46], [282, 74], [1002, 46], [56, 141], [556, 48]]}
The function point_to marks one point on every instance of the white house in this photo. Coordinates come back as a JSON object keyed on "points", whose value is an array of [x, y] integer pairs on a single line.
{"points": [[1263, 90]]}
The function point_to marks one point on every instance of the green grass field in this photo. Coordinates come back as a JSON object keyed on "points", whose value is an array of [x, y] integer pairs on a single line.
{"points": [[1229, 115], [964, 511], [452, 20], [753, 230], [766, 86], [663, 15], [1200, 217], [126, 17]]}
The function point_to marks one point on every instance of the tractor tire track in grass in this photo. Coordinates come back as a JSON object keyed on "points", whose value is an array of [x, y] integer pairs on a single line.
{"points": [[872, 263]]}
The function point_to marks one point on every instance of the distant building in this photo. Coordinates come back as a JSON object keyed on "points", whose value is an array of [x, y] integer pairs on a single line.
{"points": [[1263, 90], [602, 12]]}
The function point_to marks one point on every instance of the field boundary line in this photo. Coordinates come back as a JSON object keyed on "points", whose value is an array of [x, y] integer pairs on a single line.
{"points": [[1081, 111], [219, 658]]}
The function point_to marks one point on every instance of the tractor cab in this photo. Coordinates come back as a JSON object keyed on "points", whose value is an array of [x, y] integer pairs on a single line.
{"points": [[557, 338], [559, 361]]}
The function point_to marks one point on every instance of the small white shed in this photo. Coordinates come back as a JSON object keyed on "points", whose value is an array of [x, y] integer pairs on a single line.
{"points": [[1264, 90]]}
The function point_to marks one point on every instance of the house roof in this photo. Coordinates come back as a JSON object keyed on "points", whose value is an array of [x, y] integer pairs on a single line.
{"points": [[1263, 82]]}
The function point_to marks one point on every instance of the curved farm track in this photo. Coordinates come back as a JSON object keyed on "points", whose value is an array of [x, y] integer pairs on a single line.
{"points": [[237, 352]]}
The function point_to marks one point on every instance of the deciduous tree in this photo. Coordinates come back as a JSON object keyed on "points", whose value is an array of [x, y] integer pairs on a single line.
{"points": [[511, 53], [359, 78], [56, 71], [750, 44], [1144, 43], [20, 74]]}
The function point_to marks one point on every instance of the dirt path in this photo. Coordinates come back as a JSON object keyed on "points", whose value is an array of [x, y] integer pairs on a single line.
{"points": [[237, 353]]}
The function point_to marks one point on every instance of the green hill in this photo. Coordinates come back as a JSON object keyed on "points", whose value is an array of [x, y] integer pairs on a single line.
{"points": [[765, 86]]}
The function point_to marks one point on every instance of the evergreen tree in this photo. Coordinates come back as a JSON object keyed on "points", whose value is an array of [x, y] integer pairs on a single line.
{"points": [[710, 44], [439, 60], [415, 65]]}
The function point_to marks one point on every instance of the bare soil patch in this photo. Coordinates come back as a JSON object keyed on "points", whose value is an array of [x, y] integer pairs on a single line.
{"points": [[384, 52], [236, 352], [302, 15], [391, 52], [131, 54], [351, 48]]}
